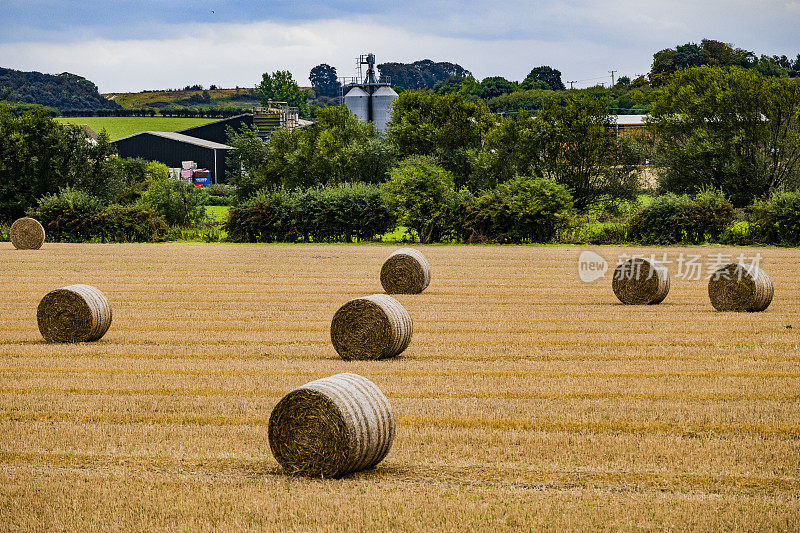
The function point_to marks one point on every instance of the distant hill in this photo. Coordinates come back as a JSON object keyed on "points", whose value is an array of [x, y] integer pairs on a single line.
{"points": [[194, 99], [61, 91]]}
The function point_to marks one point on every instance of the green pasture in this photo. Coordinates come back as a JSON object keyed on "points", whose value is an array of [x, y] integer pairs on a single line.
{"points": [[118, 127]]}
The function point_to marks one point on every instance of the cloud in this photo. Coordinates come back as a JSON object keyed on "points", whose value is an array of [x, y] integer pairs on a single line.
{"points": [[147, 48]]}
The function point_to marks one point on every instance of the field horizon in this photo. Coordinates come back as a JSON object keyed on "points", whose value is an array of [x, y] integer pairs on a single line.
{"points": [[528, 399]]}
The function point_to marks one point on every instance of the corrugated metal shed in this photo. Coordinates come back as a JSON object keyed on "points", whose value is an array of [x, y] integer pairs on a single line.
{"points": [[217, 131], [172, 148]]}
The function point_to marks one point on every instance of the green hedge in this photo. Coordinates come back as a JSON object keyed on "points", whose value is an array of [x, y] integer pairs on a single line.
{"points": [[75, 216], [337, 214], [672, 219], [523, 209], [777, 219]]}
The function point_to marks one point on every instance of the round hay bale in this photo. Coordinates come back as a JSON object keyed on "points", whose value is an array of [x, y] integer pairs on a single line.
{"points": [[641, 281], [405, 271], [76, 313], [331, 427], [371, 327], [26, 234], [736, 287]]}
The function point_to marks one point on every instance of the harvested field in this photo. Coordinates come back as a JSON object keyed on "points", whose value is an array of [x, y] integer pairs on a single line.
{"points": [[526, 399]]}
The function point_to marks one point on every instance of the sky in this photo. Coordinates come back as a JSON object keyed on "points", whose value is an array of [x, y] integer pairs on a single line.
{"points": [[127, 45]]}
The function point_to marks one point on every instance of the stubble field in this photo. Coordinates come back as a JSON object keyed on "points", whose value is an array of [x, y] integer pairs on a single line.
{"points": [[527, 399]]}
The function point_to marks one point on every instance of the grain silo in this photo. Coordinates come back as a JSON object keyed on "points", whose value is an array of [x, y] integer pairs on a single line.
{"points": [[367, 97]]}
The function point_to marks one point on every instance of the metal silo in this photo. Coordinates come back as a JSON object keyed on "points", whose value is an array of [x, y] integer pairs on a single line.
{"points": [[382, 100], [357, 101]]}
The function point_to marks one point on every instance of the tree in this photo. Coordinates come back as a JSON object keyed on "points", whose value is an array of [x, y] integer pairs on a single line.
{"points": [[457, 84], [337, 148], [324, 81], [424, 74], [494, 86], [444, 127], [39, 156], [420, 193], [545, 74], [730, 129], [281, 87], [574, 144]]}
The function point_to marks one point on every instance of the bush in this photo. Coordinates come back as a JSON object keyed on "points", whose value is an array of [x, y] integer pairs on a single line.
{"points": [[341, 214], [262, 218], [180, 204], [671, 219], [75, 216], [420, 194], [777, 219], [118, 223], [523, 209], [67, 216]]}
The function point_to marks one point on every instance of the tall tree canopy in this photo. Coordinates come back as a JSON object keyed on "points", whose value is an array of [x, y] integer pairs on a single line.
{"points": [[544, 74], [424, 74], [324, 81], [281, 87], [731, 129]]}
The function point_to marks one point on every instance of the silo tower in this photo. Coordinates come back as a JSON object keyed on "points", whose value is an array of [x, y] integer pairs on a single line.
{"points": [[367, 97]]}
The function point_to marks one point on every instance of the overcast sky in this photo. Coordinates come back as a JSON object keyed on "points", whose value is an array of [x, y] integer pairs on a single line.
{"points": [[144, 44]]}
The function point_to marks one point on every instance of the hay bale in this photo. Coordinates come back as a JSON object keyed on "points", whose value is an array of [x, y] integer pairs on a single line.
{"points": [[26, 234], [76, 313], [640, 281], [736, 287], [405, 271], [371, 327], [331, 427]]}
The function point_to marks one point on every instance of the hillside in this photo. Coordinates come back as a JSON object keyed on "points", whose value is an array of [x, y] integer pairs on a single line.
{"points": [[200, 99], [61, 91], [118, 127]]}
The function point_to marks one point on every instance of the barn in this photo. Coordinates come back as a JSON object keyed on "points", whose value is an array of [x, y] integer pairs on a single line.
{"points": [[172, 148], [217, 131]]}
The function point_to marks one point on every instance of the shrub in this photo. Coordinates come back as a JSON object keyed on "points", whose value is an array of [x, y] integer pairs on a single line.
{"points": [[262, 218], [672, 219], [777, 219], [523, 209], [420, 193], [118, 223], [68, 215], [357, 211], [180, 204], [75, 216]]}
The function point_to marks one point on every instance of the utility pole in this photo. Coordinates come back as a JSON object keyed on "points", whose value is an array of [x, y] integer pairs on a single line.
{"points": [[612, 76], [571, 82]]}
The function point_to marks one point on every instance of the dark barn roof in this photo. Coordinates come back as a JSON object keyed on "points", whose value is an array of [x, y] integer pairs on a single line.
{"points": [[173, 148], [217, 131]]}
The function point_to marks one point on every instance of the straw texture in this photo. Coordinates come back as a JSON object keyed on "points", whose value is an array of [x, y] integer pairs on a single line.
{"points": [[371, 327], [331, 427], [26, 234], [736, 287], [405, 271], [76, 313], [640, 281]]}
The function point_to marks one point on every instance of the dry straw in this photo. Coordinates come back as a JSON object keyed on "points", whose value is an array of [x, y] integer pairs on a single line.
{"points": [[331, 427], [640, 281], [77, 313], [26, 234], [371, 327], [406, 271], [736, 287]]}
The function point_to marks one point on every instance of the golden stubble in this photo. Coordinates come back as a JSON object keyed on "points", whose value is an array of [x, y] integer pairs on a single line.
{"points": [[527, 399]]}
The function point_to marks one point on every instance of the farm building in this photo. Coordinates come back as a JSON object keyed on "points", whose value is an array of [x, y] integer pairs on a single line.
{"points": [[217, 131], [174, 148]]}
